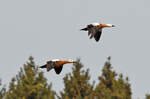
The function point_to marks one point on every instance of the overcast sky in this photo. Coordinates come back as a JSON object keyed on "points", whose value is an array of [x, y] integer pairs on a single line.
{"points": [[48, 29]]}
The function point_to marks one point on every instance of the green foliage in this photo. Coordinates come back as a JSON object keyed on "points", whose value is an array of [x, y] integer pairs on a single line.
{"points": [[111, 87], [2, 90], [77, 84], [29, 83], [147, 96]]}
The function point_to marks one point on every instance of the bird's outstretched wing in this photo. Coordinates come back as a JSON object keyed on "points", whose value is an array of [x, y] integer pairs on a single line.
{"points": [[50, 65], [97, 35], [93, 31], [90, 29], [58, 69]]}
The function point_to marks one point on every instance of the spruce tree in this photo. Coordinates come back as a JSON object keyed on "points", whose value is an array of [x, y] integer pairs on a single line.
{"points": [[2, 90], [77, 84], [147, 96], [111, 85], [30, 83]]}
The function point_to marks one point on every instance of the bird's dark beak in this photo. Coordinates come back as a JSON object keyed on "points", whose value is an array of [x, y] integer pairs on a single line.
{"points": [[113, 25], [74, 62]]}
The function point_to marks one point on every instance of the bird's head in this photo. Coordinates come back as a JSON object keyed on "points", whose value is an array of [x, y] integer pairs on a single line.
{"points": [[108, 25], [71, 61]]}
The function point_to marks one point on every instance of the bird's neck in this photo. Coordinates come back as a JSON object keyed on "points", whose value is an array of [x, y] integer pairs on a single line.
{"points": [[105, 25], [67, 61]]}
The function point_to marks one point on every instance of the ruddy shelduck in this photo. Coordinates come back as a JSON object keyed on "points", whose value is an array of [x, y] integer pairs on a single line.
{"points": [[56, 64], [95, 30]]}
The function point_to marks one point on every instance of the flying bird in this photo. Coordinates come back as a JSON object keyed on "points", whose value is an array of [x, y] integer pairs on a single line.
{"points": [[56, 64], [95, 30]]}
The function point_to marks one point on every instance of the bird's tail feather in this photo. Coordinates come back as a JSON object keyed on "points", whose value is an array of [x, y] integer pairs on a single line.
{"points": [[44, 66], [84, 29]]}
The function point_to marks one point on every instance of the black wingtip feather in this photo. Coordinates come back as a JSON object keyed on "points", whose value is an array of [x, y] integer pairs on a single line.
{"points": [[97, 36], [58, 69]]}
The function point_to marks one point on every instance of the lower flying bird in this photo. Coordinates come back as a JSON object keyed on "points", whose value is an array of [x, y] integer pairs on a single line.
{"points": [[95, 30], [56, 64]]}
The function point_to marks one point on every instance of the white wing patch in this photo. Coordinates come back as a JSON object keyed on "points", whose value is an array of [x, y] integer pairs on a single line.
{"points": [[95, 24], [54, 60]]}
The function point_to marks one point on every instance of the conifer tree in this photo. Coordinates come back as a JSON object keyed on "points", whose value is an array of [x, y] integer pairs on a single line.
{"points": [[111, 86], [2, 90], [77, 84], [29, 83], [147, 96]]}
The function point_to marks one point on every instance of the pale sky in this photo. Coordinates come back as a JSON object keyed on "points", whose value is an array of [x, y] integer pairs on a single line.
{"points": [[48, 29]]}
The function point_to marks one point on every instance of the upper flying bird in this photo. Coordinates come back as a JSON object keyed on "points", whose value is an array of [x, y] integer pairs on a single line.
{"points": [[57, 64], [95, 30]]}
